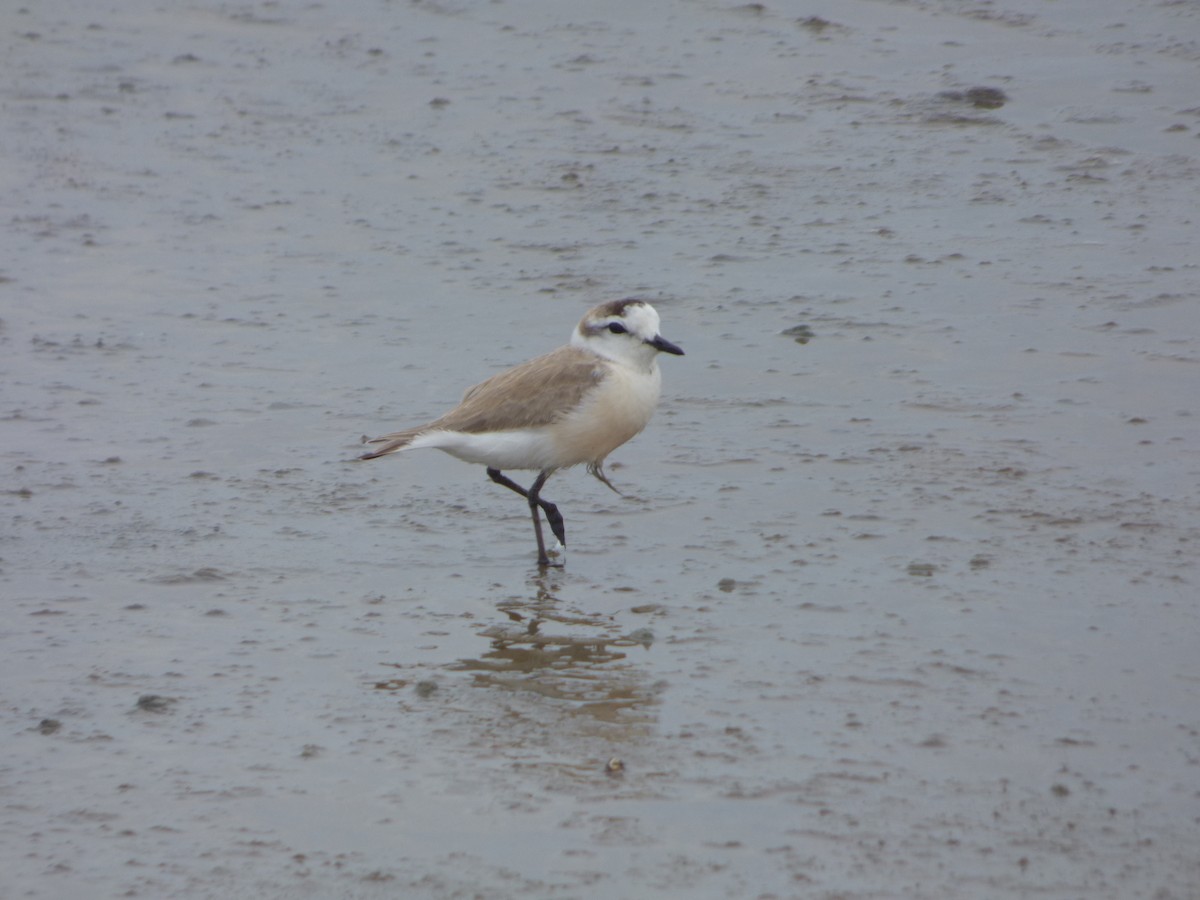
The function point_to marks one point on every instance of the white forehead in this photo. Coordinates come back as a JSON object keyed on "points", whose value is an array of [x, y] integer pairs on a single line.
{"points": [[640, 318]]}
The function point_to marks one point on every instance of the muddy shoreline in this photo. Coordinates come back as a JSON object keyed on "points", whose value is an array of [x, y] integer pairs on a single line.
{"points": [[901, 602]]}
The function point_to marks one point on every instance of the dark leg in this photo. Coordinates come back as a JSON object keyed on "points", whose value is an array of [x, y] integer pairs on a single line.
{"points": [[534, 489], [597, 469], [553, 516]]}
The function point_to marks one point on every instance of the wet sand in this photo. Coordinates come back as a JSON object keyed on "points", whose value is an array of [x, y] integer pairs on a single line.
{"points": [[902, 602]]}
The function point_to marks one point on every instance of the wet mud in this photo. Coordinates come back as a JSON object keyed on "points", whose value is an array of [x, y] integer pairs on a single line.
{"points": [[901, 601]]}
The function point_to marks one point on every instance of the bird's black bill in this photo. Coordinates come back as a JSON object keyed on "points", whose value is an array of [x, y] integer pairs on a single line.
{"points": [[661, 343]]}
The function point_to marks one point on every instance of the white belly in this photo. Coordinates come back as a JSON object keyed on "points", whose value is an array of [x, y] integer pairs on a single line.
{"points": [[531, 448]]}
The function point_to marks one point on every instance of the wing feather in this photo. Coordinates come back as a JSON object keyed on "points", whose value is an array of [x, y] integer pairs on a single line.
{"points": [[533, 394], [536, 393]]}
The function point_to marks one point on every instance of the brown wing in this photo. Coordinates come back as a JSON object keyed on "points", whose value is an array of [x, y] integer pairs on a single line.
{"points": [[532, 394]]}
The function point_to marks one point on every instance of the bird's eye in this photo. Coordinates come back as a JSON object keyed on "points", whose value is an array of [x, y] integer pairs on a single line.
{"points": [[617, 328]]}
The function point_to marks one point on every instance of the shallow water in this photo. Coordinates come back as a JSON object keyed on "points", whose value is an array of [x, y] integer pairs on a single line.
{"points": [[905, 607]]}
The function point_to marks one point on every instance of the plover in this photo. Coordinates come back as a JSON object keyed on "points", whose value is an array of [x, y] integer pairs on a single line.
{"points": [[574, 405]]}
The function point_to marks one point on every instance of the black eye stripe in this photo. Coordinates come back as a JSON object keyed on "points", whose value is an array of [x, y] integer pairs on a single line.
{"points": [[617, 328]]}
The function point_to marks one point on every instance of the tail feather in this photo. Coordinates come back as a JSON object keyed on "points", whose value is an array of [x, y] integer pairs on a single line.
{"points": [[391, 443]]}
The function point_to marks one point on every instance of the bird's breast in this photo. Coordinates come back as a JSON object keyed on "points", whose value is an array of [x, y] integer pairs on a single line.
{"points": [[613, 412]]}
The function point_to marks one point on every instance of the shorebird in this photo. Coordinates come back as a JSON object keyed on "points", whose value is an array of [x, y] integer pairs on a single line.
{"points": [[574, 405]]}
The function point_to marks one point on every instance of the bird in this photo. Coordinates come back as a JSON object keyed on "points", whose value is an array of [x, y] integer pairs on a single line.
{"points": [[572, 406]]}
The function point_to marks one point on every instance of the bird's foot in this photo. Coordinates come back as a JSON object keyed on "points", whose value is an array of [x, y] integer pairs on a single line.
{"points": [[555, 520], [597, 469], [551, 560]]}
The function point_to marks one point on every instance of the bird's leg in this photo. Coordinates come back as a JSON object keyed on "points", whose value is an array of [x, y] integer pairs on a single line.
{"points": [[534, 489], [597, 469], [553, 516]]}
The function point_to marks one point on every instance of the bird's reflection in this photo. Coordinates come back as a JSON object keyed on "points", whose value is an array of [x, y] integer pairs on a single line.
{"points": [[548, 648]]}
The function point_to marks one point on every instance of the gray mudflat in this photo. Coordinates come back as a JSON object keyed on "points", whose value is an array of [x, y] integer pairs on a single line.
{"points": [[904, 604]]}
